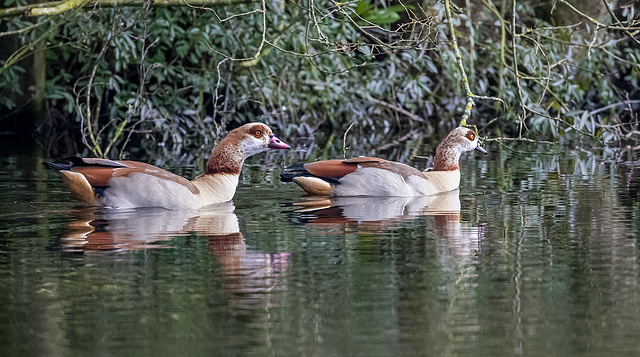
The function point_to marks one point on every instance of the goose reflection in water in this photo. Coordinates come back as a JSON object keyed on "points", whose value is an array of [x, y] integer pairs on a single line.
{"points": [[382, 214], [247, 274]]}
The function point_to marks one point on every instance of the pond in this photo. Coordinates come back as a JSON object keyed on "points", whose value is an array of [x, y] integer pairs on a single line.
{"points": [[537, 254]]}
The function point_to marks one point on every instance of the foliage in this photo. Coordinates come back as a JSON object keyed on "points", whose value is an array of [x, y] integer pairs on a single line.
{"points": [[178, 76]]}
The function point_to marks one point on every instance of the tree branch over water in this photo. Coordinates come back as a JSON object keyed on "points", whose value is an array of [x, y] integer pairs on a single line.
{"points": [[463, 74], [57, 7]]}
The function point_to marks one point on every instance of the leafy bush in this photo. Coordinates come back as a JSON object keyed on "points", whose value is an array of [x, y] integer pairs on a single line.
{"points": [[178, 76]]}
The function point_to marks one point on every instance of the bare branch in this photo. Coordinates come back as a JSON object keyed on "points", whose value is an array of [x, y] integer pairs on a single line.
{"points": [[57, 7], [463, 74]]}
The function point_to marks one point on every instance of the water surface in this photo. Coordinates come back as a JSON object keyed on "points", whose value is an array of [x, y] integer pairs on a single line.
{"points": [[535, 255]]}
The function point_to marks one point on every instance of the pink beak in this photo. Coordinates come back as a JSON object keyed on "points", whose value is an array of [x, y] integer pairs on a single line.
{"points": [[276, 143]]}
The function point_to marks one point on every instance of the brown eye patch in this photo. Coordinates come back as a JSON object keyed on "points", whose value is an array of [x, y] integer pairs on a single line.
{"points": [[258, 131], [471, 135]]}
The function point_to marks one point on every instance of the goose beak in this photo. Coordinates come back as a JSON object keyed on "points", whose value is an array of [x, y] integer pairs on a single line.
{"points": [[480, 149], [275, 143]]}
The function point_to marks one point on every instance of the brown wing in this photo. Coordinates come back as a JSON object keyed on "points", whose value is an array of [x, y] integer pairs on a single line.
{"points": [[399, 168], [339, 168], [99, 171], [97, 162], [364, 159]]}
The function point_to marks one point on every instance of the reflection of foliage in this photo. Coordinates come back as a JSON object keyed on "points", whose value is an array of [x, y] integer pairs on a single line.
{"points": [[172, 74]]}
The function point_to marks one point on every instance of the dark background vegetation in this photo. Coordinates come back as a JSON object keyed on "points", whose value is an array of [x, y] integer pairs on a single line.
{"points": [[128, 79]]}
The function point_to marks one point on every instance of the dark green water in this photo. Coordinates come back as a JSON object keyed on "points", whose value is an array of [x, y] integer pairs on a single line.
{"points": [[536, 255]]}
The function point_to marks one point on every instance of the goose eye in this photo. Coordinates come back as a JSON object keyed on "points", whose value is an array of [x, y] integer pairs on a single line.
{"points": [[472, 137], [257, 133]]}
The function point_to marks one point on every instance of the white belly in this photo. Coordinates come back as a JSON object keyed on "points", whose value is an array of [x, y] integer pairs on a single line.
{"points": [[141, 190], [369, 181]]}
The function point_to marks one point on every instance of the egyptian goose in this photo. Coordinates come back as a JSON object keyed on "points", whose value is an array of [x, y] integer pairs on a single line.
{"points": [[131, 184], [370, 176]]}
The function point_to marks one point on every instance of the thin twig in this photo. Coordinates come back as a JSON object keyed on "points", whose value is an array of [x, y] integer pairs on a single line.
{"points": [[463, 74], [95, 147], [501, 142], [465, 81], [398, 109], [344, 141], [523, 117], [615, 18], [626, 102], [398, 141]]}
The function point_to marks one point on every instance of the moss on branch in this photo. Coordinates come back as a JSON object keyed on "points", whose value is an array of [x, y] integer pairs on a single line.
{"points": [[57, 7]]}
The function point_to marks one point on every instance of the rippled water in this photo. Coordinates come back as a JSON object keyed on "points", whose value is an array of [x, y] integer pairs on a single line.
{"points": [[535, 255]]}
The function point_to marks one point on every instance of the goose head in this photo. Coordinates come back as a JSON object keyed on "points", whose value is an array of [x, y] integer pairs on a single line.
{"points": [[241, 143], [458, 141], [253, 138]]}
